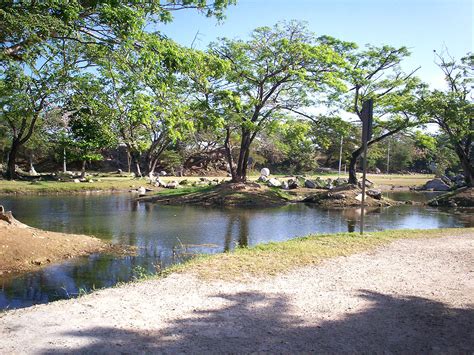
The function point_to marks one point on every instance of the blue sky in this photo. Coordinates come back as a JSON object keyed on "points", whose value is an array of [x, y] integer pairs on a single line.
{"points": [[421, 25]]}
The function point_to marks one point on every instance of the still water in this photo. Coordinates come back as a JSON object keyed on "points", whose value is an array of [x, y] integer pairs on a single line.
{"points": [[169, 234]]}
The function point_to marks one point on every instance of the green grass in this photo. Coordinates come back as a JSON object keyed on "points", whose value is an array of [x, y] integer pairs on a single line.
{"points": [[106, 184], [182, 191], [274, 258], [109, 182]]}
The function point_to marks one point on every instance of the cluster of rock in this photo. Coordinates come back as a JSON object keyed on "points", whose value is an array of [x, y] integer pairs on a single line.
{"points": [[295, 182], [445, 183], [156, 181]]}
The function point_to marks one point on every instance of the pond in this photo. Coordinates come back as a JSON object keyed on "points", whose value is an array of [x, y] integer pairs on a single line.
{"points": [[169, 234]]}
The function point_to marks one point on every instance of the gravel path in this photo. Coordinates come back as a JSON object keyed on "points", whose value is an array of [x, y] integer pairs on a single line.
{"points": [[411, 296]]}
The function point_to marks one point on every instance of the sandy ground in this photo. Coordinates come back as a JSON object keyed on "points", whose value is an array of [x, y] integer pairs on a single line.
{"points": [[412, 296], [24, 248]]}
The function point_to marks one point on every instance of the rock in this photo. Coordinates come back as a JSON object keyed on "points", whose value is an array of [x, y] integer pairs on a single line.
{"points": [[163, 173], [340, 181], [337, 196], [309, 184], [119, 171], [459, 177], [159, 183], [377, 171], [265, 172], [329, 184], [172, 185], [6, 215], [274, 182], [262, 178], [184, 182], [141, 191], [293, 184], [377, 194], [359, 197], [285, 185], [368, 183], [205, 179], [76, 181], [446, 180], [436, 185]]}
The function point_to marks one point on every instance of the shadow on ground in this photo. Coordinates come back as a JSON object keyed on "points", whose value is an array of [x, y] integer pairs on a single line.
{"points": [[256, 322]]}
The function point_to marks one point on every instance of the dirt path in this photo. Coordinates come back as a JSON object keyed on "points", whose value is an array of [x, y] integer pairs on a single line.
{"points": [[412, 296]]}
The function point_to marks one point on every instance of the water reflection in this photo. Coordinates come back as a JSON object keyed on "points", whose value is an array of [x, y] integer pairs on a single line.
{"points": [[169, 234]]}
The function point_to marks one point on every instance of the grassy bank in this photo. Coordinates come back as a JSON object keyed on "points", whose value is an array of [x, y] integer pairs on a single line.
{"points": [[273, 258], [115, 183], [40, 187]]}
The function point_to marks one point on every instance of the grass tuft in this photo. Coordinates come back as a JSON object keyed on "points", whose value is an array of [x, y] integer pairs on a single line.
{"points": [[273, 258]]}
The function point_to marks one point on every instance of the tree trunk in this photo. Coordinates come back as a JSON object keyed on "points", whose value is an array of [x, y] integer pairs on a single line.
{"points": [[32, 170], [64, 161], [11, 172], [352, 166], [83, 169], [136, 162], [466, 164], [228, 153], [241, 173], [129, 161]]}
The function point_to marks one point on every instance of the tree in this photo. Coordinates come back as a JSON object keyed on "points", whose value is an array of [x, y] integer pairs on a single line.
{"points": [[35, 35], [27, 92], [376, 74], [452, 110], [89, 121], [27, 25], [147, 90], [278, 69]]}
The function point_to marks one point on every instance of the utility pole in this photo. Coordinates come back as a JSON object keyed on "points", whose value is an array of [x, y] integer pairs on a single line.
{"points": [[367, 114], [64, 161], [340, 155], [388, 157]]}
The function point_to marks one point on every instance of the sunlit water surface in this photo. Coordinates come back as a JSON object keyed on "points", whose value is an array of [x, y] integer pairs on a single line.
{"points": [[169, 234]]}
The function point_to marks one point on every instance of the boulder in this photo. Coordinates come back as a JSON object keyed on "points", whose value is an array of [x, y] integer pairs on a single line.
{"points": [[274, 183], [436, 185], [265, 172], [119, 171], [159, 183], [368, 183], [76, 181], [446, 180], [377, 194], [141, 191], [329, 184], [172, 185], [163, 173], [293, 184], [377, 171], [309, 184], [285, 185], [262, 178], [340, 181]]}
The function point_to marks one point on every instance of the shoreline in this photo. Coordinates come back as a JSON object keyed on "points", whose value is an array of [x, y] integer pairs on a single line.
{"points": [[407, 288], [24, 249]]}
